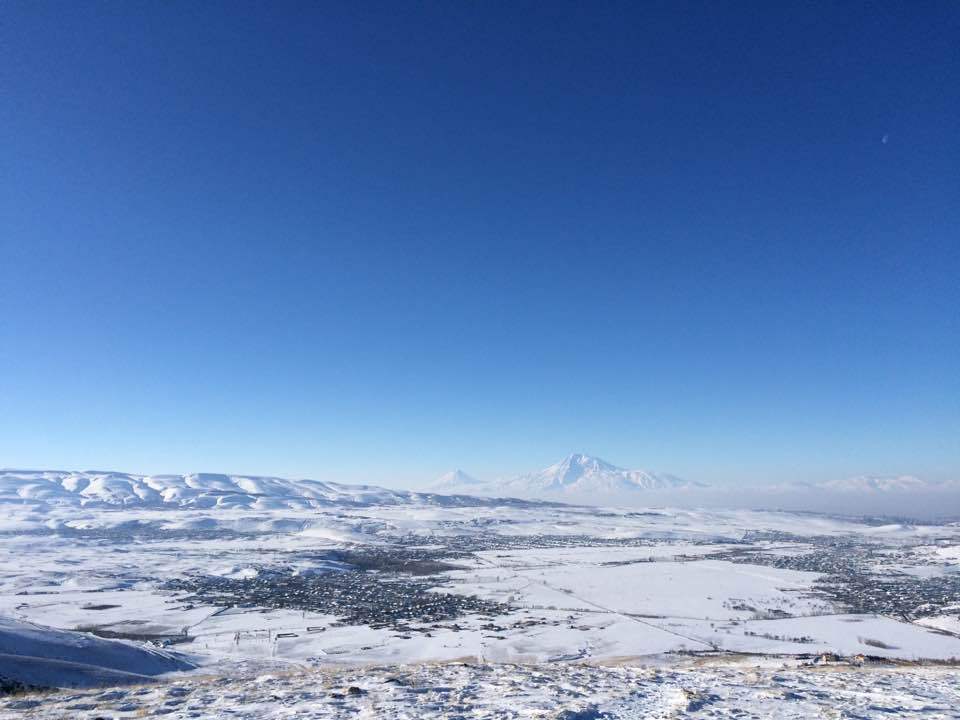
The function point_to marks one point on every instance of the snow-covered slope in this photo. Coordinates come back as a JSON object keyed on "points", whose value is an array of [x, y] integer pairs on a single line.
{"points": [[41, 656], [200, 490]]}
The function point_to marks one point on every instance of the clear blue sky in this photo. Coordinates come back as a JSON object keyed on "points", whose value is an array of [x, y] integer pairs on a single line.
{"points": [[367, 241]]}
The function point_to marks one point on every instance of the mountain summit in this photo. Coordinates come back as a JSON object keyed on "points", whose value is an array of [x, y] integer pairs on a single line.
{"points": [[584, 474], [578, 475], [456, 480]]}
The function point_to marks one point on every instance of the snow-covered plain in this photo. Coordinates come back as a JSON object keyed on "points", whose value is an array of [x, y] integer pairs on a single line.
{"points": [[633, 613]]}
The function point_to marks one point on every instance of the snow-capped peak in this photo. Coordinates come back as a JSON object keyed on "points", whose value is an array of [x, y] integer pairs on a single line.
{"points": [[455, 479], [576, 465], [584, 474]]}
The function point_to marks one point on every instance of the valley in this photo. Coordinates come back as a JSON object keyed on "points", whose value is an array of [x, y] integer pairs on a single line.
{"points": [[336, 578]]}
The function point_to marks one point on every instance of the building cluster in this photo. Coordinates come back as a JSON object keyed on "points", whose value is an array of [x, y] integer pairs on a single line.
{"points": [[899, 595], [470, 543], [863, 577], [356, 597]]}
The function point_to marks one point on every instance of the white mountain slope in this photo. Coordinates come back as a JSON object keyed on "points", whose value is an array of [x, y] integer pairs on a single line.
{"points": [[45, 657], [584, 476], [201, 490]]}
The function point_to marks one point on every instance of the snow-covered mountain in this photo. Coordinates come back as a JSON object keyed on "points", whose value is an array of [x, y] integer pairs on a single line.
{"points": [[584, 475], [883, 484], [202, 490], [456, 481], [579, 476]]}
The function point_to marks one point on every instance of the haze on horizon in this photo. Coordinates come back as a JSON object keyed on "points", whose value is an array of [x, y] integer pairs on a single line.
{"points": [[363, 245]]}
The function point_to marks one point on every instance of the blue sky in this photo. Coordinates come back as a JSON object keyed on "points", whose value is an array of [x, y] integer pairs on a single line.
{"points": [[373, 243]]}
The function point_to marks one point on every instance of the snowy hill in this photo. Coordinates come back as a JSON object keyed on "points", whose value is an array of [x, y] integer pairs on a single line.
{"points": [[40, 656], [585, 475], [201, 490]]}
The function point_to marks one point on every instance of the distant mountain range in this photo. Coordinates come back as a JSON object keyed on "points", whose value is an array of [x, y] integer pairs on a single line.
{"points": [[576, 475], [881, 484], [96, 488], [577, 478]]}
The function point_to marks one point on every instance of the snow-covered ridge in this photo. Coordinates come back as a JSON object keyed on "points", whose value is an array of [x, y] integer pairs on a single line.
{"points": [[200, 490]]}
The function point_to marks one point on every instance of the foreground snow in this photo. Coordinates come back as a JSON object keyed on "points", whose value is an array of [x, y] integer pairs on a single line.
{"points": [[38, 656], [741, 688]]}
